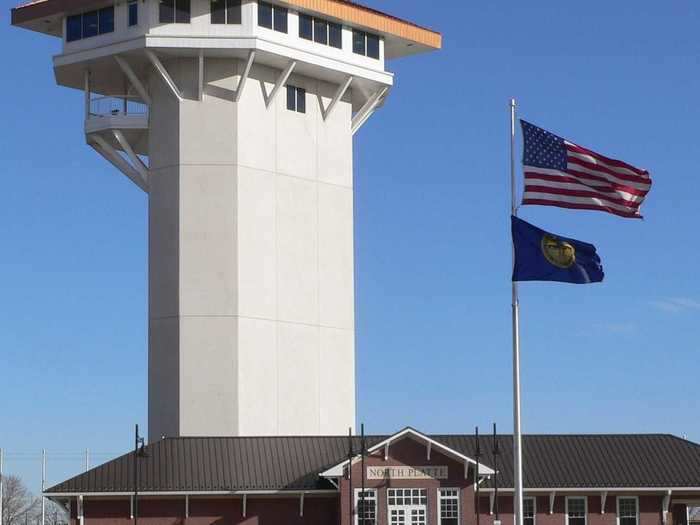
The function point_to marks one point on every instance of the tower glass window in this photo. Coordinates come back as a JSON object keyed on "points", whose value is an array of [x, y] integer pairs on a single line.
{"points": [[272, 16], [296, 99], [306, 27], [91, 23], [74, 28], [225, 11], [372, 46], [335, 35], [449, 506], [106, 20], [576, 510], [133, 13], [320, 31], [358, 42], [174, 12], [365, 44]]}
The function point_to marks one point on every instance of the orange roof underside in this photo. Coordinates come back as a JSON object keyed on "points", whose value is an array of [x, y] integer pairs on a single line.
{"points": [[345, 10]]}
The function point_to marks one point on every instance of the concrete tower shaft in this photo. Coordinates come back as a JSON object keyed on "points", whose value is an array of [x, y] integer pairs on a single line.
{"points": [[251, 257]]}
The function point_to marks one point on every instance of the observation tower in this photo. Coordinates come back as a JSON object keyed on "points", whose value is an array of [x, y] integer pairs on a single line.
{"points": [[236, 118]]}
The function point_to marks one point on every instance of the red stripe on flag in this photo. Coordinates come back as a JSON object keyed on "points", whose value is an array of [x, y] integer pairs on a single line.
{"points": [[578, 206], [607, 160], [604, 171], [575, 179], [582, 193]]}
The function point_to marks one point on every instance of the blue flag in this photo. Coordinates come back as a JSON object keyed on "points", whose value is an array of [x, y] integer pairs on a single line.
{"points": [[543, 256]]}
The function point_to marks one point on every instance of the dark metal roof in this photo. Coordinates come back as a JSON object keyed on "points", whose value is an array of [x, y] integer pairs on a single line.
{"points": [[201, 464]]}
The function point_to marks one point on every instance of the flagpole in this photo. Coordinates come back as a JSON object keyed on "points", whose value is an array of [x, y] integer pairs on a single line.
{"points": [[517, 436]]}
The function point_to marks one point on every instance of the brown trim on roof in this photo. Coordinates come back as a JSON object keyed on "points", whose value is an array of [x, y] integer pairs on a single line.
{"points": [[345, 10]]}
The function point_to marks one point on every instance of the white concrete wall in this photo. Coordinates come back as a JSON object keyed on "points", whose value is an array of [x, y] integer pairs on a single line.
{"points": [[251, 259]]}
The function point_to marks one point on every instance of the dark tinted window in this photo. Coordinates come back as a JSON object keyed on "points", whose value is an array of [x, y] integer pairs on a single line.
{"points": [[372, 46], [74, 28], [291, 98], [182, 11], [301, 100], [280, 19], [358, 42], [265, 15], [233, 11], [166, 11], [90, 25], [106, 20], [306, 27], [335, 35], [320, 31], [296, 99], [133, 12], [218, 11]]}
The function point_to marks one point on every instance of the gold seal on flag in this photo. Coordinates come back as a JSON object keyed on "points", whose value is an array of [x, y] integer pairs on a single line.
{"points": [[559, 253]]}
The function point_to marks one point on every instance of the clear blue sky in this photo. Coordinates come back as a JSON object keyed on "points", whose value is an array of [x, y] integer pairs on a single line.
{"points": [[432, 239]]}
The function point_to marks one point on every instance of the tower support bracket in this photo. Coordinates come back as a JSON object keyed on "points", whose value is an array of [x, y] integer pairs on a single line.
{"points": [[246, 73], [281, 80], [136, 162], [105, 149], [131, 75], [366, 111], [338, 95], [164, 74]]}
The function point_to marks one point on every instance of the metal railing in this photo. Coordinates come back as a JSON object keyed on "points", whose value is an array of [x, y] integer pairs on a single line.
{"points": [[107, 106]]}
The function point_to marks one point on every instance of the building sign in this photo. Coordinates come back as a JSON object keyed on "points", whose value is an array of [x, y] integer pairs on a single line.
{"points": [[436, 472]]}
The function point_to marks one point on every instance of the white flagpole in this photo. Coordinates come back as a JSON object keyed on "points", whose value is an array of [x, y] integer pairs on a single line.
{"points": [[517, 436]]}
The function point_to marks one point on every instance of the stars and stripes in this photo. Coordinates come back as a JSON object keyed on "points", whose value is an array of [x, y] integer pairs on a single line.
{"points": [[561, 173]]}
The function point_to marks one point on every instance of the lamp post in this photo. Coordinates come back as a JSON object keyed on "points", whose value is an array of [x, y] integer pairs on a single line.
{"points": [[138, 452]]}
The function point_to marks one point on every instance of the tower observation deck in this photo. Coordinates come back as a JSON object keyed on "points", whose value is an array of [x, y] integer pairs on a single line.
{"points": [[236, 117]]}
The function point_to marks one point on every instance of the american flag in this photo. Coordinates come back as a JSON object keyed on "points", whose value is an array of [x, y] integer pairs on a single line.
{"points": [[561, 173]]}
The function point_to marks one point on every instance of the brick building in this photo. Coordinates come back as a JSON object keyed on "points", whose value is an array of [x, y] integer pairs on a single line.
{"points": [[410, 479]]}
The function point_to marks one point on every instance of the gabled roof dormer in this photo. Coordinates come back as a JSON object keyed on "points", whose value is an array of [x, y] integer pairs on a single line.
{"points": [[431, 445]]}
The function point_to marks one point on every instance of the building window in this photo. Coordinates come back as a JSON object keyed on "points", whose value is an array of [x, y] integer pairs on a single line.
{"points": [[529, 511], [407, 497], [225, 11], [365, 44], [449, 506], [174, 12], [320, 31], [335, 35], [272, 16], [576, 510], [133, 12], [407, 506], [627, 512], [306, 27], [91, 23], [296, 99], [366, 507]]}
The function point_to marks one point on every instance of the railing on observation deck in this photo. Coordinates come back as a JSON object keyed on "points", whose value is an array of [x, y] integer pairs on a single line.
{"points": [[122, 106]]}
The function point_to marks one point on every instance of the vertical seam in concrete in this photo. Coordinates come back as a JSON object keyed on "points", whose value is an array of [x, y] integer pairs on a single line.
{"points": [[277, 267], [236, 247], [318, 260], [235, 173]]}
